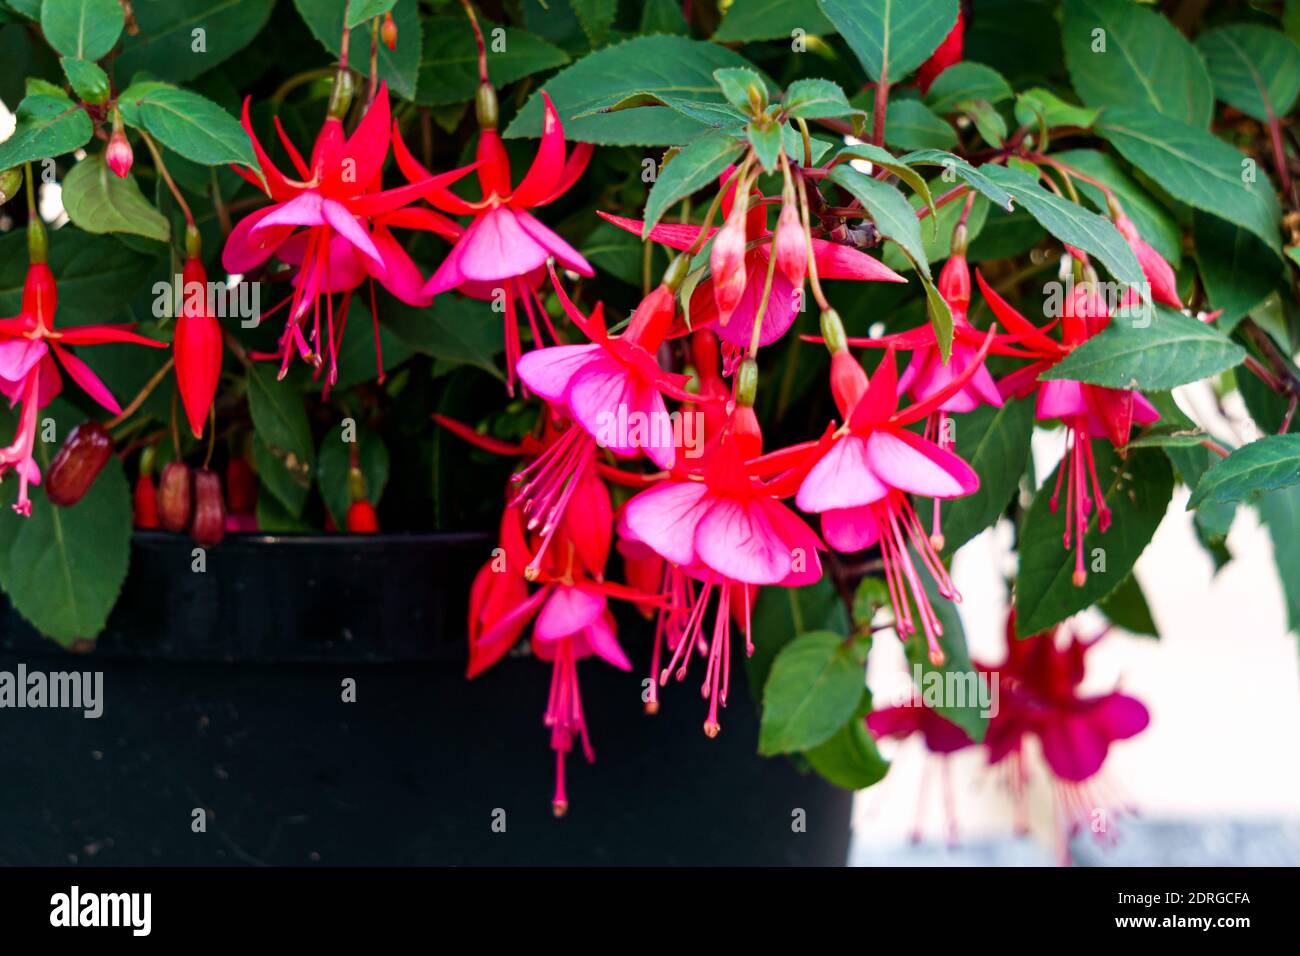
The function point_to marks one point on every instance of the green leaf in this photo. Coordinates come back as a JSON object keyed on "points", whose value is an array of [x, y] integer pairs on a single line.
{"points": [[1255, 69], [335, 461], [1137, 490], [168, 46], [362, 10], [766, 141], [454, 330], [769, 20], [45, 126], [1280, 511], [1127, 607], [1039, 105], [22, 59], [891, 38], [1071, 223], [735, 82], [966, 81], [895, 219], [696, 166], [1268, 464], [1153, 223], [63, 568], [1238, 270], [814, 688], [1195, 167], [849, 758], [879, 156], [957, 167], [282, 447], [995, 442], [671, 65], [190, 124], [97, 274], [87, 80], [82, 29], [1121, 54], [1152, 353], [399, 67], [97, 200], [910, 125], [815, 99], [988, 121], [780, 614], [449, 61], [596, 17]]}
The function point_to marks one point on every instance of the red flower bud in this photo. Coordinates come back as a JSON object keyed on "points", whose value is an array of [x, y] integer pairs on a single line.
{"points": [[241, 486], [145, 502], [174, 497], [848, 381], [954, 283], [362, 518], [78, 463], [197, 343], [652, 319], [791, 245], [1158, 272], [727, 263], [118, 155], [388, 32], [209, 509]]}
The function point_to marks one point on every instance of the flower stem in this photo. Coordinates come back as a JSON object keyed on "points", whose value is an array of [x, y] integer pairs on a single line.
{"points": [[881, 106], [478, 40], [143, 394], [167, 178]]}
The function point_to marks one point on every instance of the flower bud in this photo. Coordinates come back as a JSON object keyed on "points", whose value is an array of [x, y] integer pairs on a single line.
{"points": [[361, 518], [848, 381], [833, 332], [652, 319], [1158, 272], [11, 180], [174, 496], [209, 525], [791, 245], [83, 456], [746, 432], [144, 502], [198, 348], [727, 263], [954, 282], [485, 106], [388, 32], [118, 154]]}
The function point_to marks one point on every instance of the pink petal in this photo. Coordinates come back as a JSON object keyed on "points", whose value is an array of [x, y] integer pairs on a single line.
{"points": [[303, 210], [778, 316], [401, 277], [17, 356], [603, 642], [1072, 746], [850, 529], [346, 225], [910, 463], [564, 253], [367, 147], [1119, 716], [1059, 398], [88, 380], [547, 372], [496, 247], [597, 394], [665, 516], [842, 479], [245, 250], [543, 176], [568, 611], [835, 261], [660, 447], [736, 539]]}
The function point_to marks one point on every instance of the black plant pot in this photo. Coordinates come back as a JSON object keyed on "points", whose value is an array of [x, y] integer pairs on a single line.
{"points": [[223, 690]]}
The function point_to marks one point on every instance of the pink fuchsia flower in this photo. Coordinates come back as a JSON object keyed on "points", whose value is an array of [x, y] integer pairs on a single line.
{"points": [[941, 737], [1040, 697], [727, 529], [505, 247], [31, 351], [333, 226], [1159, 273], [834, 261], [1087, 411], [860, 482]]}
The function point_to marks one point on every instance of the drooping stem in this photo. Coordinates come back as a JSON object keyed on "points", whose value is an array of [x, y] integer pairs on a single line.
{"points": [[814, 283], [347, 36], [712, 211], [478, 40], [762, 302], [143, 394], [167, 178]]}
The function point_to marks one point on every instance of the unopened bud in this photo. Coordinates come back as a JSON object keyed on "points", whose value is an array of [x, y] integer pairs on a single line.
{"points": [[791, 245], [833, 332], [174, 496], [727, 263], [78, 463], [118, 154], [388, 32], [209, 509], [757, 99], [340, 94], [747, 383]]}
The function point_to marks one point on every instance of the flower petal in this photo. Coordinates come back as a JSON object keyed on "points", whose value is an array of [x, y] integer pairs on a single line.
{"points": [[910, 463], [665, 517], [841, 479]]}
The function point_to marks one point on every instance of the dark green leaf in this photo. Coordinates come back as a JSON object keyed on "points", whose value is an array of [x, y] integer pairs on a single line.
{"points": [[1268, 464], [96, 274], [192, 125], [957, 168], [1280, 511], [849, 758], [1153, 223], [98, 200], [399, 67], [454, 329], [82, 29], [45, 126], [780, 614], [1237, 268], [1255, 69], [449, 62], [179, 39], [335, 461], [596, 17], [1126, 607], [282, 447], [966, 81], [770, 20], [362, 10], [815, 99], [891, 38], [814, 688], [1137, 490], [910, 125], [696, 166], [87, 80], [1042, 106]]}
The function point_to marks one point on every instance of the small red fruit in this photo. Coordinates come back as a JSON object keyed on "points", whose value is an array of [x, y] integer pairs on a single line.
{"points": [[78, 463], [209, 509], [175, 498]]}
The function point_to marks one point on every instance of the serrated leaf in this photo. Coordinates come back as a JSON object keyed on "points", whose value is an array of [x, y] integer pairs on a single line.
{"points": [[813, 689], [1237, 269], [165, 45], [1271, 463], [966, 81], [974, 177], [45, 126], [1155, 352], [189, 124], [449, 60], [766, 142], [780, 614], [98, 200], [596, 17], [82, 29], [1195, 167], [359, 11], [1122, 54], [879, 156], [1039, 105], [87, 80], [1253, 68], [891, 37], [696, 166], [283, 447], [815, 99], [735, 82], [671, 65], [1137, 490]]}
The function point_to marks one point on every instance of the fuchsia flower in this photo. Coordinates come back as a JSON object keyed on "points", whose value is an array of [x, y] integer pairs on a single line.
{"points": [[940, 736], [1039, 697], [1088, 411], [834, 261], [197, 344], [333, 226], [505, 247], [601, 386], [29, 373], [1158, 272], [729, 530], [860, 483]]}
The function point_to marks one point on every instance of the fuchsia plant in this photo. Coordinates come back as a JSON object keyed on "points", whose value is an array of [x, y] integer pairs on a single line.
{"points": [[723, 334]]}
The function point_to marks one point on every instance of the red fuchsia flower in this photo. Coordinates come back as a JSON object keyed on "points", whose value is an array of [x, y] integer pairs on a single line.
{"points": [[29, 373], [1040, 697], [727, 529], [940, 736], [948, 53], [1159, 273], [613, 391], [1087, 411], [197, 345], [927, 374], [505, 247], [861, 478], [118, 153], [834, 261], [333, 226]]}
